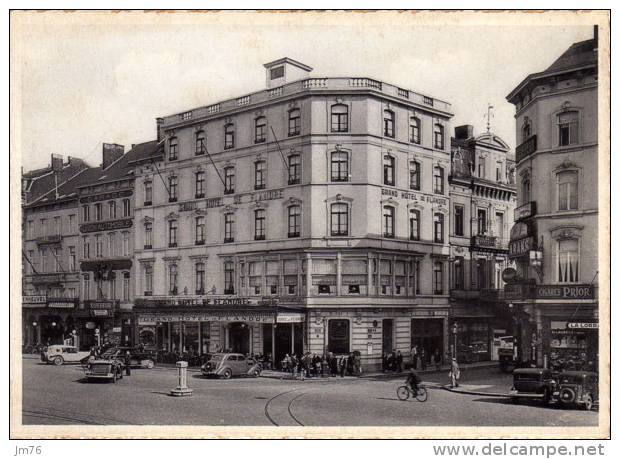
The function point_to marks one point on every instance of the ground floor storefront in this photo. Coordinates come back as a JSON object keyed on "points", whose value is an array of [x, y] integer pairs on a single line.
{"points": [[48, 321]]}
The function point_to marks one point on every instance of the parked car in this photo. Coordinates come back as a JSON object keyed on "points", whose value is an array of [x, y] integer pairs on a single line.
{"points": [[110, 369], [229, 365], [578, 388], [533, 383], [59, 354], [138, 358]]}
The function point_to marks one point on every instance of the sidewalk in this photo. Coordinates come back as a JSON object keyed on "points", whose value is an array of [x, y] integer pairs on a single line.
{"points": [[488, 390]]}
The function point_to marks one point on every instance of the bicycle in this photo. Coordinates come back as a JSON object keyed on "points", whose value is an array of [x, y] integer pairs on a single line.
{"points": [[404, 392]]}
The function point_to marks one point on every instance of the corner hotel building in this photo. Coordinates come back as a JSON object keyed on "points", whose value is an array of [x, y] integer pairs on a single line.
{"points": [[312, 216]]}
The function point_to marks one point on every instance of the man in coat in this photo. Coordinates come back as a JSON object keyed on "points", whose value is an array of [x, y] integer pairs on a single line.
{"points": [[127, 364], [399, 361]]}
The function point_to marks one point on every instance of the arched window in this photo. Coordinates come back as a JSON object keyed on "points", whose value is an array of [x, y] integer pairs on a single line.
{"points": [[415, 130], [388, 123], [388, 221], [414, 225], [173, 279], [229, 180], [568, 261], [294, 221], [525, 190], [260, 129], [294, 122], [414, 175], [339, 166], [201, 141], [173, 149], [294, 169], [568, 189], [229, 136], [438, 227], [339, 219], [339, 118], [259, 175], [438, 180], [439, 136], [568, 128], [388, 170]]}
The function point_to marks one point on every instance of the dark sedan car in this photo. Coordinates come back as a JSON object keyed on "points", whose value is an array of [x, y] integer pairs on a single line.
{"points": [[139, 358]]}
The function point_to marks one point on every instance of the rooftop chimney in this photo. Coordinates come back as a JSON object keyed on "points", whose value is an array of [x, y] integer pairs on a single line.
{"points": [[111, 153], [160, 128], [464, 132]]}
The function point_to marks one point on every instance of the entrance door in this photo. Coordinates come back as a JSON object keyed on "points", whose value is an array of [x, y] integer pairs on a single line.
{"points": [[239, 338], [427, 335], [338, 336], [388, 333]]}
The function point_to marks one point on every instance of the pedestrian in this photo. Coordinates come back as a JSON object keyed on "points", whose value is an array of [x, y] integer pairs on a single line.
{"points": [[127, 364], [343, 365], [384, 362], [455, 373], [399, 361], [333, 364], [423, 358], [414, 357], [437, 360]]}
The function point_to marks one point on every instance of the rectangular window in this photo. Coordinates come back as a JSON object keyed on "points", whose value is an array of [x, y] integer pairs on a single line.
{"points": [[481, 167], [568, 128], [276, 72], [415, 130], [200, 278], [388, 123], [459, 281], [125, 243], [148, 193], [294, 122], [259, 175], [86, 286], [414, 225], [340, 118], [438, 228], [439, 136], [148, 280], [126, 208], [172, 233], [388, 221], [85, 247], [200, 230], [259, 224], [72, 228], [498, 172], [148, 235], [294, 169], [229, 227], [57, 254], [111, 245], [86, 213], [568, 261], [458, 220], [294, 221], [200, 143], [98, 246], [438, 180], [229, 180], [57, 226], [43, 227], [339, 219], [112, 210], [200, 185], [173, 187], [339, 166], [438, 278], [126, 286], [98, 212], [260, 130], [482, 221], [414, 175], [229, 136], [568, 182], [173, 148], [229, 278], [499, 225], [388, 170]]}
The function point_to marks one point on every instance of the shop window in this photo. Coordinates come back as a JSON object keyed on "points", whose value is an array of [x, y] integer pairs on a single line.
{"points": [[338, 336], [323, 276], [568, 261]]}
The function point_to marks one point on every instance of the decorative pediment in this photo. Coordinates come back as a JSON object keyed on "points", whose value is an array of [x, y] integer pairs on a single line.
{"points": [[566, 232], [172, 216], [566, 164], [147, 219], [293, 200], [415, 205], [389, 202], [292, 104], [199, 127], [259, 112]]}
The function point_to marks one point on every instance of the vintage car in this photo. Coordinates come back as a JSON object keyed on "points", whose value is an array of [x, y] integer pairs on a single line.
{"points": [[138, 358], [59, 354], [229, 365], [578, 388], [106, 369], [533, 383]]}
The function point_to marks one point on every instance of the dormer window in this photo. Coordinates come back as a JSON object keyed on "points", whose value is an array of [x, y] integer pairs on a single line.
{"points": [[277, 72]]}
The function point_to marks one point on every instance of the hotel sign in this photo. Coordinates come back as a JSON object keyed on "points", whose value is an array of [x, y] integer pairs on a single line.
{"points": [[106, 196], [34, 301], [207, 316], [565, 292], [106, 226], [410, 196], [198, 301], [61, 303]]}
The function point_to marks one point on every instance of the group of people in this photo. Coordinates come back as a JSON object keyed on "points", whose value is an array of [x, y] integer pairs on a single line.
{"points": [[313, 365], [395, 361]]}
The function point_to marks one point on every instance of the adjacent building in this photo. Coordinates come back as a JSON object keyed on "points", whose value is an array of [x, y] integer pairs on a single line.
{"points": [[312, 215], [555, 236], [483, 198]]}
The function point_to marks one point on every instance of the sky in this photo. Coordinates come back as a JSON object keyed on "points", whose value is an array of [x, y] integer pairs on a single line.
{"points": [[88, 81]]}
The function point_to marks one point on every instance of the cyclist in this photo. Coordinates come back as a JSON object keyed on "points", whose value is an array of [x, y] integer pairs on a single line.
{"points": [[413, 380]]}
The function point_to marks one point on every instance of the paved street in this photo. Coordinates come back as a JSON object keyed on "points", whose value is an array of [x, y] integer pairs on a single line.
{"points": [[58, 395]]}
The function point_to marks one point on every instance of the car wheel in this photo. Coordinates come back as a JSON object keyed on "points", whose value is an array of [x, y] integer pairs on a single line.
{"points": [[256, 373], [149, 364], [587, 402], [58, 360], [227, 373]]}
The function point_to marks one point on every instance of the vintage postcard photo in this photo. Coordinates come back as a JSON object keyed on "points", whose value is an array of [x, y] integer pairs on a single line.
{"points": [[388, 224]]}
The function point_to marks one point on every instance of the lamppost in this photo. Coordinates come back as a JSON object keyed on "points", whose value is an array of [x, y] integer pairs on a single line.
{"points": [[35, 337], [455, 330]]}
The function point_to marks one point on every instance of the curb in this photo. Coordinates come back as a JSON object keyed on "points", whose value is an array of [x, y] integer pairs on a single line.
{"points": [[472, 392]]}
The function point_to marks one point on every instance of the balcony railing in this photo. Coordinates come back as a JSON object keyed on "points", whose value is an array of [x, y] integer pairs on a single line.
{"points": [[526, 148], [489, 242], [50, 239]]}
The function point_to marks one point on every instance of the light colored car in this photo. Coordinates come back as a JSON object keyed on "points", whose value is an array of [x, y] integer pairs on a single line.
{"points": [[229, 365], [109, 369], [59, 354]]}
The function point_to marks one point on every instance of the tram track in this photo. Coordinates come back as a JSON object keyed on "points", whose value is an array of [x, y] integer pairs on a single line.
{"points": [[271, 416]]}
